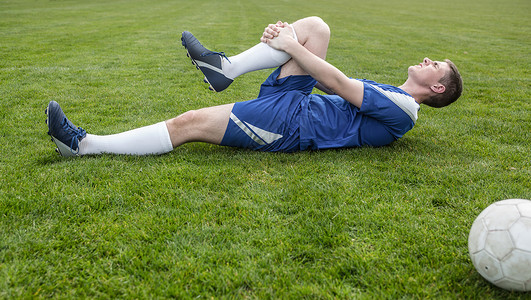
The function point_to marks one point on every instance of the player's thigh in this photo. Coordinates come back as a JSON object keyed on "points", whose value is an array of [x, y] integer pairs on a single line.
{"points": [[211, 123]]}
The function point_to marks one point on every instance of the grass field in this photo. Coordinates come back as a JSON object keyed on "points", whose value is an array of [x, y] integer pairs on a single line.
{"points": [[211, 222]]}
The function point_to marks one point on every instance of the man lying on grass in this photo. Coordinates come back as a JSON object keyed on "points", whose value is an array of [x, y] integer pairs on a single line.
{"points": [[285, 116]]}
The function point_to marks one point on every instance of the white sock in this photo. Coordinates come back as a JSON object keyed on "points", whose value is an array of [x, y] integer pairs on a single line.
{"points": [[152, 139], [259, 57]]}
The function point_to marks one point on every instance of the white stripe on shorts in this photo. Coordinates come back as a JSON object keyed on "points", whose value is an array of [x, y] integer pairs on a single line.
{"points": [[262, 137]]}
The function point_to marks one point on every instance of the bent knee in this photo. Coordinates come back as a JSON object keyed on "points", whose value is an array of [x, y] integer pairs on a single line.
{"points": [[318, 25], [312, 27]]}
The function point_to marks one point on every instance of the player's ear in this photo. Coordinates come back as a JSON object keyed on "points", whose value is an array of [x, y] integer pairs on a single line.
{"points": [[438, 88]]}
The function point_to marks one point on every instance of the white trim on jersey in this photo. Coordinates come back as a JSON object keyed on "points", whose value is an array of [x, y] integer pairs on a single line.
{"points": [[262, 137], [405, 102]]}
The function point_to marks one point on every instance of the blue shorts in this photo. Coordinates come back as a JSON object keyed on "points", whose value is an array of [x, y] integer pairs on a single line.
{"points": [[270, 122]]}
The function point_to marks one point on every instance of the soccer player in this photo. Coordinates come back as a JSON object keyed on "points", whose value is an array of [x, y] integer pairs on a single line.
{"points": [[285, 116]]}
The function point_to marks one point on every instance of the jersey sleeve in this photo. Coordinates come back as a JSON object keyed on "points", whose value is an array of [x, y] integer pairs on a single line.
{"points": [[390, 106]]}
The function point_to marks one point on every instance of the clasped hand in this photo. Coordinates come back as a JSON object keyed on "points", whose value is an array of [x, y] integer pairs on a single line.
{"points": [[277, 35]]}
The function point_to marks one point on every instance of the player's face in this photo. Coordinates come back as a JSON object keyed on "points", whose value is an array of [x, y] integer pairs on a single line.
{"points": [[428, 72]]}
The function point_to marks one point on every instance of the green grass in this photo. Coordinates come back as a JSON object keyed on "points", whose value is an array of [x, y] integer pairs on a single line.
{"points": [[207, 221]]}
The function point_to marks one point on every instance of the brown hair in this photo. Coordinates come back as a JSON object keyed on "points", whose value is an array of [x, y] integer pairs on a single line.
{"points": [[453, 84]]}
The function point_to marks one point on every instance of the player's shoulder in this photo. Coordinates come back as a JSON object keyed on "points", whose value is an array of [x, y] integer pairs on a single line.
{"points": [[396, 95]]}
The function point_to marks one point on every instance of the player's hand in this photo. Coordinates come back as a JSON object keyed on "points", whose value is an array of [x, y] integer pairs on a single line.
{"points": [[271, 31], [283, 37]]}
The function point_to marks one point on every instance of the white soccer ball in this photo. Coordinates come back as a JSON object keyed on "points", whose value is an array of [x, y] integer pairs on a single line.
{"points": [[500, 244]]}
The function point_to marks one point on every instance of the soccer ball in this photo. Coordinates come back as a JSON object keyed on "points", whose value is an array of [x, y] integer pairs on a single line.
{"points": [[500, 244]]}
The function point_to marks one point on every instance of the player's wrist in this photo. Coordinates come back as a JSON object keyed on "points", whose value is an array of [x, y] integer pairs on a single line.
{"points": [[290, 46]]}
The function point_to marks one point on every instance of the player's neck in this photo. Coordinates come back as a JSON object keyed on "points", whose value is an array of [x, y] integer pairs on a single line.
{"points": [[419, 93]]}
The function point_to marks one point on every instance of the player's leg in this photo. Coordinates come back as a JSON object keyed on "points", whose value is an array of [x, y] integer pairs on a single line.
{"points": [[220, 70], [204, 125], [314, 34]]}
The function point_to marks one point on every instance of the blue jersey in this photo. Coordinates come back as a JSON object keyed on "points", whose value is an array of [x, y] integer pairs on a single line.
{"points": [[286, 117], [386, 114]]}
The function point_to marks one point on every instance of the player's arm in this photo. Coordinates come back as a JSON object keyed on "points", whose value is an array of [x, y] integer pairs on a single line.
{"points": [[323, 88], [329, 76]]}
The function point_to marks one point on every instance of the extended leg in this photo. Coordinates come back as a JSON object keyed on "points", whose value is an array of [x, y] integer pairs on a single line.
{"points": [[203, 125]]}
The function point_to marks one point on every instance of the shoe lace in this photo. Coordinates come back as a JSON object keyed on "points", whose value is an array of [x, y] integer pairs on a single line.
{"points": [[77, 135], [222, 54]]}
